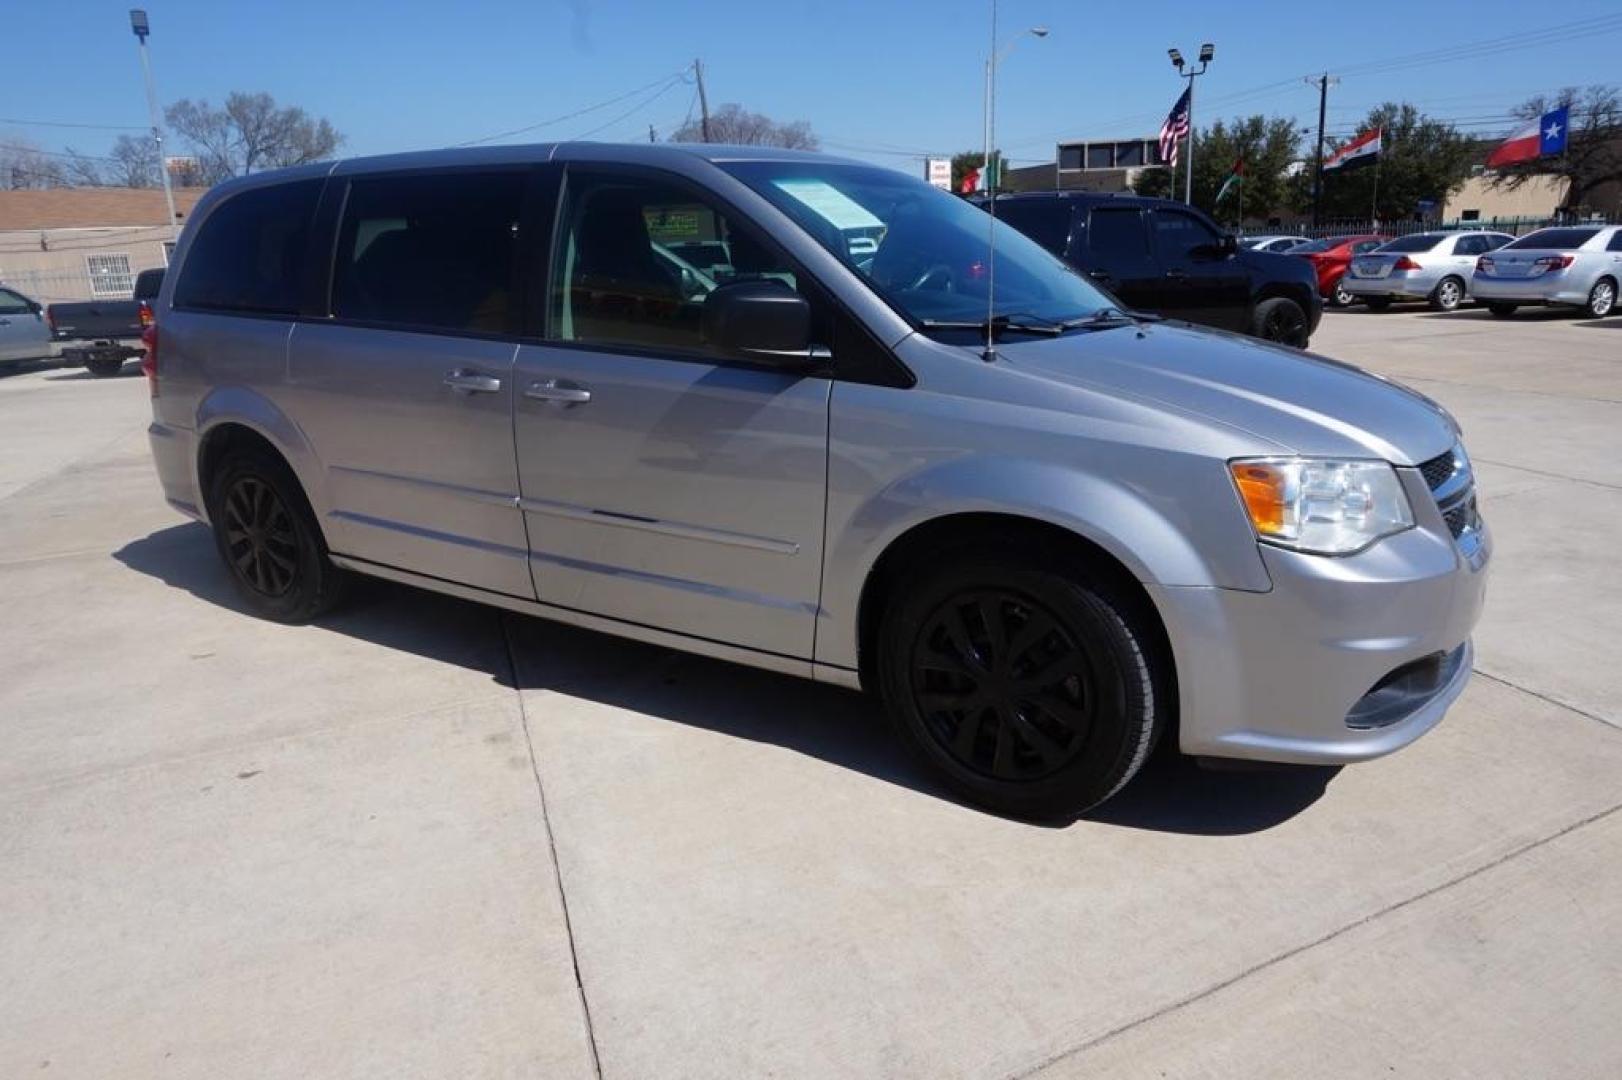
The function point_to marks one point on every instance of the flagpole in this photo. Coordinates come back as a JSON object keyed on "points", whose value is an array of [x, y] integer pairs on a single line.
{"points": [[1374, 200]]}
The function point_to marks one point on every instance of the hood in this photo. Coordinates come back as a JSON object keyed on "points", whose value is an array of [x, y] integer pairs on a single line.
{"points": [[1307, 403]]}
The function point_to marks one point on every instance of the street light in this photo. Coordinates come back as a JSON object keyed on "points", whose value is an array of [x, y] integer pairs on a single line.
{"points": [[1190, 72], [141, 28]]}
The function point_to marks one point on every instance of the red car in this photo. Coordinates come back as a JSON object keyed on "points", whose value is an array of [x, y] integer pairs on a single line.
{"points": [[1331, 256]]}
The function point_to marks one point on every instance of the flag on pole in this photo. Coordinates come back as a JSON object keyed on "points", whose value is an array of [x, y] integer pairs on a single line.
{"points": [[1363, 150], [970, 182], [1236, 176], [1175, 128], [1540, 138]]}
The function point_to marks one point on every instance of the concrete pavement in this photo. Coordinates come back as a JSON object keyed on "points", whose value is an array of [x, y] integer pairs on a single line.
{"points": [[424, 838]]}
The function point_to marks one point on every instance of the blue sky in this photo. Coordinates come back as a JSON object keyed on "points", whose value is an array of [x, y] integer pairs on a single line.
{"points": [[881, 79]]}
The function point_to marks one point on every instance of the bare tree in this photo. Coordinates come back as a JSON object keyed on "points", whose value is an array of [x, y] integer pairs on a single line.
{"points": [[1593, 156], [738, 126], [24, 165], [134, 162], [250, 132]]}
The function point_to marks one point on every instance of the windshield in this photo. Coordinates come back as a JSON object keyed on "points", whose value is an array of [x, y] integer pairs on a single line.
{"points": [[1557, 239], [923, 250], [1417, 242]]}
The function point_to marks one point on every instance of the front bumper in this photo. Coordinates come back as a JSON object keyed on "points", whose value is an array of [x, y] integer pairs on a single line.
{"points": [[1556, 288], [1294, 674]]}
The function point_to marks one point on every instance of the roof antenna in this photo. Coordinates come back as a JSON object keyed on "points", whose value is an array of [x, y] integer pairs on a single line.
{"points": [[990, 179]]}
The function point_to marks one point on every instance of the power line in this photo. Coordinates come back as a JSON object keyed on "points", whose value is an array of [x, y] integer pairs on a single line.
{"points": [[662, 81], [65, 124], [634, 109], [53, 153]]}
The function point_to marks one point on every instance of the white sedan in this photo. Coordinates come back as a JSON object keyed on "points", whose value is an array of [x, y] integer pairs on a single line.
{"points": [[1571, 265], [1278, 244]]}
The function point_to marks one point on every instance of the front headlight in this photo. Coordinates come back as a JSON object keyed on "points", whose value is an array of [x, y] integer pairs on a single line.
{"points": [[1319, 505]]}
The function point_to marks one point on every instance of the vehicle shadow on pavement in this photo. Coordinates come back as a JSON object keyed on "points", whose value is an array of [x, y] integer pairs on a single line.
{"points": [[842, 728]]}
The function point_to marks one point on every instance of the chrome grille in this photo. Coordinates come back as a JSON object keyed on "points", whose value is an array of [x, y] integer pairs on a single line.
{"points": [[1454, 487], [1438, 470]]}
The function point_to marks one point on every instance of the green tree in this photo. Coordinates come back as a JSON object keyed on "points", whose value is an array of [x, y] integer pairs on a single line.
{"points": [[1593, 154], [1421, 158], [1267, 145], [970, 159]]}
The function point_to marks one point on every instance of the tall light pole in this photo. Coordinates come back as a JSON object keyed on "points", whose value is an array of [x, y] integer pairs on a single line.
{"points": [[1207, 53], [994, 56], [139, 24]]}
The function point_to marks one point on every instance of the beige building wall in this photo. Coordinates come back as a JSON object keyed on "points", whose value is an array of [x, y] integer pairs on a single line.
{"points": [[1537, 198], [50, 265]]}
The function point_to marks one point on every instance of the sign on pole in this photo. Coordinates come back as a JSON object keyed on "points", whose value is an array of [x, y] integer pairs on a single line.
{"points": [[938, 171]]}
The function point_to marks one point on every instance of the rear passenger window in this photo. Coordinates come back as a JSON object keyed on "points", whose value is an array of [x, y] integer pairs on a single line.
{"points": [[430, 252], [249, 252], [1047, 221], [1117, 233], [1616, 242]]}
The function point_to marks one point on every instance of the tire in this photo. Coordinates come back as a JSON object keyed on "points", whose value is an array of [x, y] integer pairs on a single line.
{"points": [[1502, 309], [1053, 727], [1601, 299], [104, 366], [1338, 296], [267, 537], [1377, 303], [1448, 294], [1280, 319]]}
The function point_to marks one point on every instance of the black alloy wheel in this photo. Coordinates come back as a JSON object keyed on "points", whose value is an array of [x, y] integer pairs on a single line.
{"points": [[1002, 686], [260, 540], [1283, 321]]}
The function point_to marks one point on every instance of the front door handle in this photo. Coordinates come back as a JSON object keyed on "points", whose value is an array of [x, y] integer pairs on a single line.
{"points": [[472, 382], [1177, 275], [559, 390]]}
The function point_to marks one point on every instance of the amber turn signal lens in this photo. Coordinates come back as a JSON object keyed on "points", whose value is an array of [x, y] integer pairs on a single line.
{"points": [[1262, 487]]}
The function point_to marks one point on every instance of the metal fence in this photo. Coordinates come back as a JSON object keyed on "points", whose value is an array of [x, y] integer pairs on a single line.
{"points": [[53, 285], [1515, 226]]}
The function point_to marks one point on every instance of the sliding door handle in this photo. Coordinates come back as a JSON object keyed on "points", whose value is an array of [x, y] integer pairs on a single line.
{"points": [[558, 390], [472, 382]]}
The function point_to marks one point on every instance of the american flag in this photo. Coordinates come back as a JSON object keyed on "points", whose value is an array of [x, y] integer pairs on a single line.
{"points": [[1175, 128]]}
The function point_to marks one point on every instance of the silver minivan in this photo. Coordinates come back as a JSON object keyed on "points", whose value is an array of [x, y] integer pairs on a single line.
{"points": [[1046, 531]]}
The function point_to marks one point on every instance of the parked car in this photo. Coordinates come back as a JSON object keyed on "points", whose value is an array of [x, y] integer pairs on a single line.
{"points": [[1046, 532], [23, 333], [1576, 266], [1167, 258], [110, 330], [1276, 244], [1433, 266], [1330, 258]]}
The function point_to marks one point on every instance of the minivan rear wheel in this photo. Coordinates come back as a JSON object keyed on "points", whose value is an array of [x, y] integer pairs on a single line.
{"points": [[1027, 691], [1280, 319], [267, 536]]}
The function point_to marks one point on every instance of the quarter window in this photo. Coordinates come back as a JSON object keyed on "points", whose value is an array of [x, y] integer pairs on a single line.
{"points": [[1179, 235], [1616, 241], [110, 276], [627, 273], [249, 255], [430, 252]]}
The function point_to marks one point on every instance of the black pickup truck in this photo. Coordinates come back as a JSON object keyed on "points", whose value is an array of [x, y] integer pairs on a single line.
{"points": [[105, 333]]}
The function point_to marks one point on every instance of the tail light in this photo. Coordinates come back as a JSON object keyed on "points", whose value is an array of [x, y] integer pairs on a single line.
{"points": [[1484, 264], [50, 318], [1405, 263], [1554, 262], [145, 310], [149, 362]]}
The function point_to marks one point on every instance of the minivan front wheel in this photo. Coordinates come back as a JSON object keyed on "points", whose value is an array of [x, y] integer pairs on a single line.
{"points": [[267, 536], [1027, 691]]}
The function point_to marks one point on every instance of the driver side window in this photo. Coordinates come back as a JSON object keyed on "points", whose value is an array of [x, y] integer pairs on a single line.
{"points": [[636, 259]]}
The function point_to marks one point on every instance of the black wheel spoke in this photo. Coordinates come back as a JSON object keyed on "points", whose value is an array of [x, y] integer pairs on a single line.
{"points": [[260, 537], [1036, 628], [968, 732], [1049, 751]]}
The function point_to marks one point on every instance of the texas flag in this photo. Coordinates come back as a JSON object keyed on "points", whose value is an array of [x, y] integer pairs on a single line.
{"points": [[1539, 138]]}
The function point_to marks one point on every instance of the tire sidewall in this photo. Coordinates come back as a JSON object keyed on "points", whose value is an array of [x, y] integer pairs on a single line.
{"points": [[1338, 296], [1594, 298], [313, 573], [1439, 297], [1265, 309], [1123, 732]]}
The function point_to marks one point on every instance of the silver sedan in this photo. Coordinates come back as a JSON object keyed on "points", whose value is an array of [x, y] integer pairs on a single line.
{"points": [[1279, 244], [1434, 266], [1576, 266]]}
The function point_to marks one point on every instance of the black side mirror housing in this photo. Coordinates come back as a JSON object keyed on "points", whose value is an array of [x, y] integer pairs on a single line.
{"points": [[36, 307], [1228, 245], [760, 320]]}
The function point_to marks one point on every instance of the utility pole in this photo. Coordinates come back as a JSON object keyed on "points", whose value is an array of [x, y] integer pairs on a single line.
{"points": [[651, 137], [1322, 83], [141, 27], [703, 100]]}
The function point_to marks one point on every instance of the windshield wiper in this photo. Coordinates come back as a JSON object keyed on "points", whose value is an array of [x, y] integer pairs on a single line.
{"points": [[1106, 317], [1030, 324]]}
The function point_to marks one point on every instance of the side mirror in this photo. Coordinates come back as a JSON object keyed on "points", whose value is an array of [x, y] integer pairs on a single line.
{"points": [[765, 321], [1229, 244], [36, 307]]}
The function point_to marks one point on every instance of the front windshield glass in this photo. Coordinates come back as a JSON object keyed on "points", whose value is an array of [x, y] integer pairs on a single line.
{"points": [[924, 251]]}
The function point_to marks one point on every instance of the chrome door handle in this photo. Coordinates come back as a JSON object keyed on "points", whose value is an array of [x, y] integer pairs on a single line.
{"points": [[472, 382], [5, 322], [559, 390]]}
